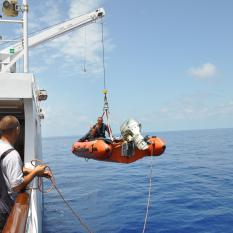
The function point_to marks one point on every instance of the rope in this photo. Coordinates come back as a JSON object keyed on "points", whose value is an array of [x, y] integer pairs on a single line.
{"points": [[109, 127], [106, 112], [54, 186], [106, 106], [85, 50], [150, 188]]}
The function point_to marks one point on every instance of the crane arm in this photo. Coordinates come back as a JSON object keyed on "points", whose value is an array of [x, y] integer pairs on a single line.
{"points": [[48, 34]]}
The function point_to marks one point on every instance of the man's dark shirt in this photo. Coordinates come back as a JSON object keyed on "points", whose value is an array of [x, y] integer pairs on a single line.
{"points": [[100, 133], [87, 137]]}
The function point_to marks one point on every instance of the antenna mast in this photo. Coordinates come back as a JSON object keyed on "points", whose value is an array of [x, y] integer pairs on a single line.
{"points": [[11, 9], [25, 36]]}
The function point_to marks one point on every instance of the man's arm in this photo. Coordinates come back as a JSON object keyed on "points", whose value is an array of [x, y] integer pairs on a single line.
{"points": [[38, 171], [46, 174], [85, 137], [26, 171]]}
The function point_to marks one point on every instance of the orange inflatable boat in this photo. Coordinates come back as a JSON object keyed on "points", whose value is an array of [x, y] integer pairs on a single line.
{"points": [[114, 151]]}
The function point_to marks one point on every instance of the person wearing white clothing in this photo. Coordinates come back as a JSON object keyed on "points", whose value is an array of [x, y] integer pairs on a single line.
{"points": [[13, 176]]}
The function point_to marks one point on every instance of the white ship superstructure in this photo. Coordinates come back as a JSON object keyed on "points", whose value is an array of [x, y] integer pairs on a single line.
{"points": [[20, 96]]}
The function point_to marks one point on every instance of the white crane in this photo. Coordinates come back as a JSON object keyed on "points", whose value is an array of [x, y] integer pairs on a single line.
{"points": [[20, 96], [10, 55]]}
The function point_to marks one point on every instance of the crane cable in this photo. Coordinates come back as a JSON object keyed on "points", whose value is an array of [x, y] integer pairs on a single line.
{"points": [[103, 54], [39, 187], [106, 112], [105, 91], [85, 51]]}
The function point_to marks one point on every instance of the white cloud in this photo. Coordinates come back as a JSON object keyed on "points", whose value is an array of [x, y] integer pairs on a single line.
{"points": [[81, 45], [77, 123], [190, 107], [80, 7], [37, 69], [198, 110], [205, 71], [41, 17]]}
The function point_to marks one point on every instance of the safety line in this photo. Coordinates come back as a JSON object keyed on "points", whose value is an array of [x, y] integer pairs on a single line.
{"points": [[149, 189], [53, 185]]}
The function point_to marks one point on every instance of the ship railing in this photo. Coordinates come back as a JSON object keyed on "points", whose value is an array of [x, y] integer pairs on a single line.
{"points": [[17, 220]]}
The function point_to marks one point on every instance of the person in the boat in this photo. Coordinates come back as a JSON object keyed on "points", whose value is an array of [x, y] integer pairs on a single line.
{"points": [[89, 136], [100, 128], [13, 176], [96, 131]]}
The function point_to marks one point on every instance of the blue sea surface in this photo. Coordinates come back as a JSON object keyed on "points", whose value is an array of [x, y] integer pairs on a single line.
{"points": [[192, 188]]}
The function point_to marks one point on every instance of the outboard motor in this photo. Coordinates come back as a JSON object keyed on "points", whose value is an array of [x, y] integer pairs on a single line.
{"points": [[131, 133]]}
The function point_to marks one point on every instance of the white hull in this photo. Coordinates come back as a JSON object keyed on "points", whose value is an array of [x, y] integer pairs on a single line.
{"points": [[18, 97]]}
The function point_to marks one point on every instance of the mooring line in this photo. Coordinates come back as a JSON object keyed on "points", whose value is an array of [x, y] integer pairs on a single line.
{"points": [[54, 186]]}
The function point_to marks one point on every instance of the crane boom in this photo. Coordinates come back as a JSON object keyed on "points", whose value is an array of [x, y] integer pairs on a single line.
{"points": [[8, 59]]}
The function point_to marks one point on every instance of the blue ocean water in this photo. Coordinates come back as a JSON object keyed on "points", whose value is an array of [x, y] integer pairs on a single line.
{"points": [[192, 187]]}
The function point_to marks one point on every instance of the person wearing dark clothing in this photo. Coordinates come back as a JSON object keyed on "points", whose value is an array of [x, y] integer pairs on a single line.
{"points": [[100, 128], [89, 136], [97, 131]]}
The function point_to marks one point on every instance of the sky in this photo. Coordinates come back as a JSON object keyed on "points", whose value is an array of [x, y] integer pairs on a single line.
{"points": [[169, 64]]}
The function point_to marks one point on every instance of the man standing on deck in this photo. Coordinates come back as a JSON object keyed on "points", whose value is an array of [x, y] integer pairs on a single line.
{"points": [[13, 177]]}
